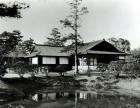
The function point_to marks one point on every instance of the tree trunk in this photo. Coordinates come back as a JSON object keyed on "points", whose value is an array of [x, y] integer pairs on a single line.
{"points": [[76, 55]]}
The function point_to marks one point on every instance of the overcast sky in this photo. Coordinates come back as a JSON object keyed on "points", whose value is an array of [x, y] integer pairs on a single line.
{"points": [[106, 18]]}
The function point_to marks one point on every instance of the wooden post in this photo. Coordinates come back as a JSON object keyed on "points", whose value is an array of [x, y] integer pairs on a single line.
{"points": [[88, 63]]}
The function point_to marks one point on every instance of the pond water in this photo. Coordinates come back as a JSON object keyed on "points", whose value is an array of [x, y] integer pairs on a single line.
{"points": [[38, 96], [62, 98]]}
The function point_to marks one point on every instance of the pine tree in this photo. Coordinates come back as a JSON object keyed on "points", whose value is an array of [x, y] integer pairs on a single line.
{"points": [[55, 39], [27, 46], [9, 40], [73, 21], [8, 43]]}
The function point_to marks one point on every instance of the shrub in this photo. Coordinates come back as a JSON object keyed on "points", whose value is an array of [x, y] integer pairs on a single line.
{"points": [[61, 69], [102, 67], [32, 69], [132, 68], [116, 65], [21, 67]]}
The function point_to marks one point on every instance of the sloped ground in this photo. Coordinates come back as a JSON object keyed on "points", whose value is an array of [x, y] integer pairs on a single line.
{"points": [[131, 84], [124, 84], [129, 87]]}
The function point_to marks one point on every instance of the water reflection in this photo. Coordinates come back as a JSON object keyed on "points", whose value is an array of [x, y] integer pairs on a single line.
{"points": [[44, 98], [49, 96], [82, 99]]}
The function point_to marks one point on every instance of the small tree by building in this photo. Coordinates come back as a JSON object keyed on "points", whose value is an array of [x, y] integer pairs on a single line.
{"points": [[8, 42], [27, 46], [21, 67]]}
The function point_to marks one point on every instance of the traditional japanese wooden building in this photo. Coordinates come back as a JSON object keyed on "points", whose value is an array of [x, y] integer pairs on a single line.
{"points": [[93, 53], [89, 55], [50, 57]]}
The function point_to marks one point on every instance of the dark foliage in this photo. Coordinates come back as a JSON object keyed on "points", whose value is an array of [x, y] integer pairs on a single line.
{"points": [[21, 67], [12, 9], [61, 69], [27, 46], [9, 41], [2, 70], [102, 67]]}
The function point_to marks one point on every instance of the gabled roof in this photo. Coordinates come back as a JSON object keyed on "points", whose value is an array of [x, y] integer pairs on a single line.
{"points": [[89, 45], [88, 48], [45, 50]]}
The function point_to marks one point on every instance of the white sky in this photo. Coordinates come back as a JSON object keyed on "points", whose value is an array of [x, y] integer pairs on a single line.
{"points": [[106, 18]]}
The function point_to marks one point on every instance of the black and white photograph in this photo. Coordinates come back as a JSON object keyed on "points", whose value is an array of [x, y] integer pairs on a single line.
{"points": [[69, 53]]}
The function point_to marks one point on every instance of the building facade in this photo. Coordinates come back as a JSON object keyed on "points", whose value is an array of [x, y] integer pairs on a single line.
{"points": [[89, 55]]}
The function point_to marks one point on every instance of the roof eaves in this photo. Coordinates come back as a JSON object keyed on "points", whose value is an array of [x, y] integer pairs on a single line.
{"points": [[34, 54], [89, 45]]}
